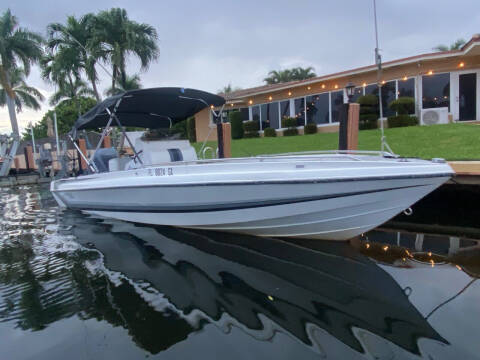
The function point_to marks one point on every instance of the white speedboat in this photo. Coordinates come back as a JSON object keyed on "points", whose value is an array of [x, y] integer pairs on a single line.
{"points": [[332, 196]]}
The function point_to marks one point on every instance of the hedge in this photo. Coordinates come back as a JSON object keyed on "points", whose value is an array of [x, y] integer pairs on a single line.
{"points": [[269, 132], [236, 122], [310, 128], [402, 121], [289, 122], [251, 126]]}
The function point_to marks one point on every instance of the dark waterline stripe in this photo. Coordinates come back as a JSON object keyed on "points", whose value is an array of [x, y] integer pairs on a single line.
{"points": [[224, 207]]}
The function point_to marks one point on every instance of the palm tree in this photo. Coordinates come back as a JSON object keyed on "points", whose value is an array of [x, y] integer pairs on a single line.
{"points": [[132, 83], [454, 46], [228, 89], [25, 96], [119, 36], [74, 45], [71, 89], [282, 76], [16, 45]]}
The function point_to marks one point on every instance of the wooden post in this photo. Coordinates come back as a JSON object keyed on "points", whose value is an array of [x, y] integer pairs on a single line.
{"points": [[83, 147], [29, 160], [348, 131], [224, 136], [107, 142], [352, 128]]}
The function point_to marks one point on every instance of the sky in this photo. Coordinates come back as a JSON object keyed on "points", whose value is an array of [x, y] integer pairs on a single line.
{"points": [[209, 44]]}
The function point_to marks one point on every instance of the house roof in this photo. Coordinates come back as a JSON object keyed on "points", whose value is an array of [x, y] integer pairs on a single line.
{"points": [[468, 48]]}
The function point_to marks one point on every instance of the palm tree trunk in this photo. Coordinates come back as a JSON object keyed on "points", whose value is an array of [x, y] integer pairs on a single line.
{"points": [[114, 76], [13, 114], [95, 90]]}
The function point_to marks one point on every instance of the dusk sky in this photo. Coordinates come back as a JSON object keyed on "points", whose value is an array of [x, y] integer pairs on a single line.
{"points": [[207, 45]]}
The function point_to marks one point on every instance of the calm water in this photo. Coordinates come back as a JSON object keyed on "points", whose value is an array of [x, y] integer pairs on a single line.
{"points": [[76, 287]]}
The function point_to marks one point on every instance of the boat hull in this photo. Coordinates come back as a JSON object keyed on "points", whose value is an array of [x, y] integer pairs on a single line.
{"points": [[321, 208]]}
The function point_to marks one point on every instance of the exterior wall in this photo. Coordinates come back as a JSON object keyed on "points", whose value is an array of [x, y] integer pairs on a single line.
{"points": [[204, 127], [411, 70]]}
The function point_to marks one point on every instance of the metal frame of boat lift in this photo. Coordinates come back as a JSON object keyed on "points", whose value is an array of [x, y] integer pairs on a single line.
{"points": [[112, 115]]}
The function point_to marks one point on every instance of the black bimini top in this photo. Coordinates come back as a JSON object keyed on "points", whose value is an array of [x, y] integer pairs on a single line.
{"points": [[149, 108]]}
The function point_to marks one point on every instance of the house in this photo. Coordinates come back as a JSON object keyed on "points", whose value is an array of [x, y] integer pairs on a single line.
{"points": [[447, 82]]}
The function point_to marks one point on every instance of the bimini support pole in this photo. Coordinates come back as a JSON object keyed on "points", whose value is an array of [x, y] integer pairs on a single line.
{"points": [[89, 164], [125, 135]]}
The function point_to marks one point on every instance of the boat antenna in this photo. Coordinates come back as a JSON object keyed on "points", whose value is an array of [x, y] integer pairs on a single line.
{"points": [[378, 62]]}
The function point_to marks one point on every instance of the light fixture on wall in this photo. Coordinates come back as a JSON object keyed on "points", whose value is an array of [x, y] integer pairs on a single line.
{"points": [[461, 65], [350, 89]]}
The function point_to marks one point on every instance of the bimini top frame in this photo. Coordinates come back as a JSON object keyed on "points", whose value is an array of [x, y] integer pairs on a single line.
{"points": [[154, 108]]}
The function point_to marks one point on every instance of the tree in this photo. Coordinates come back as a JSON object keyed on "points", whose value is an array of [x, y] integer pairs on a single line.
{"points": [[16, 45], [228, 89], [119, 37], [25, 96], [294, 74], [73, 47], [132, 83], [70, 89], [67, 113], [454, 46]]}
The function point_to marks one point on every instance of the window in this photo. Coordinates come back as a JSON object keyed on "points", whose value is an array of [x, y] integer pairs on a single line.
{"points": [[337, 103], [244, 112], [317, 109], [406, 87], [371, 89], [256, 113], [388, 95], [270, 115], [436, 91], [300, 111], [284, 109]]}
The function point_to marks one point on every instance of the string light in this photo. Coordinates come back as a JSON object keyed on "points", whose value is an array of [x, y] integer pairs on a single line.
{"points": [[461, 65], [231, 105], [430, 72], [364, 84], [289, 93], [270, 98], [309, 88], [323, 86], [211, 106], [383, 82], [336, 86], [405, 78], [367, 245], [429, 253], [385, 248], [432, 262], [250, 102], [270, 297]]}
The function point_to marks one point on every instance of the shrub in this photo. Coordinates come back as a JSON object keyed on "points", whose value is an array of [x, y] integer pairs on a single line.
{"points": [[310, 128], [289, 122], [250, 129], [403, 105], [236, 122], [368, 112], [290, 132], [402, 121], [191, 132], [269, 132], [251, 126]]}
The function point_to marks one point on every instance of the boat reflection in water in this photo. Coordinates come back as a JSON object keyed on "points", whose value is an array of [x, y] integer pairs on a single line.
{"points": [[174, 293], [326, 295]]}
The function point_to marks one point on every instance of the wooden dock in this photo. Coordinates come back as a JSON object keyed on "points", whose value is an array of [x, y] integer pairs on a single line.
{"points": [[467, 172]]}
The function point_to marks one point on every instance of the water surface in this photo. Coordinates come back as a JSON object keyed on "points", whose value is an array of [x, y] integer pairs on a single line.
{"points": [[73, 286]]}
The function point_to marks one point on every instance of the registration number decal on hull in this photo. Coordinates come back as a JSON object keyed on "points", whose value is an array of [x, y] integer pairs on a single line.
{"points": [[162, 172]]}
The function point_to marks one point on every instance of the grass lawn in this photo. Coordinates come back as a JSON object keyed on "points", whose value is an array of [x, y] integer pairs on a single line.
{"points": [[450, 141]]}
